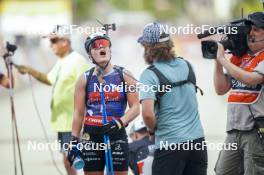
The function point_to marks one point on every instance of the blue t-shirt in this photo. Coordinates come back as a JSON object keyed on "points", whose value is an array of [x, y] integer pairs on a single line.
{"points": [[178, 119]]}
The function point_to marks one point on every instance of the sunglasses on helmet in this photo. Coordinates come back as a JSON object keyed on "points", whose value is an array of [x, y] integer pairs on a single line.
{"points": [[97, 44]]}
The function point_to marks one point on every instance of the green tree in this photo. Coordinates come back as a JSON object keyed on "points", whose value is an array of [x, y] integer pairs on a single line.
{"points": [[161, 9], [82, 9], [248, 6]]}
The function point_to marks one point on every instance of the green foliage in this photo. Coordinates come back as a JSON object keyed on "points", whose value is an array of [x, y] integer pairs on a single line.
{"points": [[161, 9], [82, 9], [248, 6]]}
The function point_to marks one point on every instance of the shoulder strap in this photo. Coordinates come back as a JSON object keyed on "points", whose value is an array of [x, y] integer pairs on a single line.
{"points": [[87, 82], [162, 79], [91, 71], [120, 70], [191, 76]]}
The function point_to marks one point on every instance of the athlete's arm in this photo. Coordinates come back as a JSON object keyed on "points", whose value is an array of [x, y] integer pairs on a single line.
{"points": [[148, 114], [248, 78], [79, 106], [132, 99], [43, 78]]}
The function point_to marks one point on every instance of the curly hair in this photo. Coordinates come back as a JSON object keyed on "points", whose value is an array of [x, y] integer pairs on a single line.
{"points": [[159, 52]]}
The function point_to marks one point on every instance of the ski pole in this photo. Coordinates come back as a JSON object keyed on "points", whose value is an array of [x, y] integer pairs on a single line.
{"points": [[108, 154]]}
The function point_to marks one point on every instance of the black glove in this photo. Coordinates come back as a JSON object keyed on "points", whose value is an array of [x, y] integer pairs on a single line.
{"points": [[73, 150], [112, 126]]}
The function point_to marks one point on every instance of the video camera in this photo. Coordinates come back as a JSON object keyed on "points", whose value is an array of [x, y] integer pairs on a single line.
{"points": [[10, 47], [234, 41], [107, 27]]}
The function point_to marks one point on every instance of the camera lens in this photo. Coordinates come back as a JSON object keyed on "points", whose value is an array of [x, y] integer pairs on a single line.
{"points": [[209, 49]]}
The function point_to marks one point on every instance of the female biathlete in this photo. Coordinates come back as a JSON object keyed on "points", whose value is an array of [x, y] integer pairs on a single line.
{"points": [[88, 111]]}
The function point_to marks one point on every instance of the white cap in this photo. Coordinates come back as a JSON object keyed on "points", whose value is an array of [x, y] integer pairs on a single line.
{"points": [[60, 31], [137, 125]]}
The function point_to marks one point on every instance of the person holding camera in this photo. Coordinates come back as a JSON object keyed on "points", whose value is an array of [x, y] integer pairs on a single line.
{"points": [[171, 112], [62, 78], [245, 113], [4, 81]]}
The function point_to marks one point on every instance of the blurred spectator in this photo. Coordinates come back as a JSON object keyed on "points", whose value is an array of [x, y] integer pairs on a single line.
{"points": [[62, 78], [140, 157]]}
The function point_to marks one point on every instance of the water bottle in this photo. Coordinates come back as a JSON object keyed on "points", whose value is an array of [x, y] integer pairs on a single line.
{"points": [[78, 163]]}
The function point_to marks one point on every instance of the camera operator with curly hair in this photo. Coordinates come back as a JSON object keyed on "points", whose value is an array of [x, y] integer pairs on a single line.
{"points": [[245, 113]]}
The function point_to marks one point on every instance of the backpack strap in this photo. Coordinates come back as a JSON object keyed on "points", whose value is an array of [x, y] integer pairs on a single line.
{"points": [[91, 71], [192, 78], [164, 81], [120, 70], [90, 74]]}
